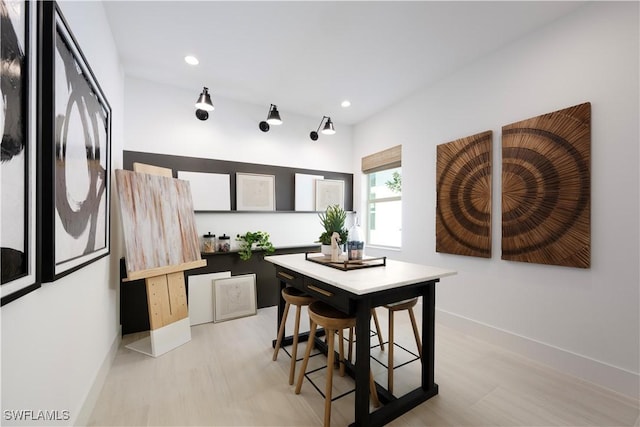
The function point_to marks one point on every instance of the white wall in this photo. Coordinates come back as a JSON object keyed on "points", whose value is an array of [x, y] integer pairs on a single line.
{"points": [[161, 119], [57, 340], [583, 321]]}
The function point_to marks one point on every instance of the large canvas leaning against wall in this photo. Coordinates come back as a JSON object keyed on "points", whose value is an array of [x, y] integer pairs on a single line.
{"points": [[158, 221], [463, 205], [18, 163], [546, 188], [76, 151]]}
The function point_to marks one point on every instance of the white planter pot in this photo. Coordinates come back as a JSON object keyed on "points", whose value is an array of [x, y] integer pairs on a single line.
{"points": [[326, 250]]}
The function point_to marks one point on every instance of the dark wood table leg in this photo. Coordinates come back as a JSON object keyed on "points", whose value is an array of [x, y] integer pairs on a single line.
{"points": [[363, 361], [396, 406], [428, 337]]}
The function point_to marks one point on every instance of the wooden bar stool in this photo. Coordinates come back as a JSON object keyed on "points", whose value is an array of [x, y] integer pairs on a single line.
{"points": [[332, 320], [398, 306], [291, 296]]}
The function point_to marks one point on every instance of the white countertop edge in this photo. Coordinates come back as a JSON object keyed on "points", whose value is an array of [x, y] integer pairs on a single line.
{"points": [[363, 281]]}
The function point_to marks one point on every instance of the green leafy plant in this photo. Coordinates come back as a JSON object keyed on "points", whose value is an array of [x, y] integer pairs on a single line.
{"points": [[395, 184], [333, 220], [261, 240]]}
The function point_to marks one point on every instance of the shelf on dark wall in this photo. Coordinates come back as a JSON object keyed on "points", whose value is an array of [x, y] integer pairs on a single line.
{"points": [[134, 309], [284, 176]]}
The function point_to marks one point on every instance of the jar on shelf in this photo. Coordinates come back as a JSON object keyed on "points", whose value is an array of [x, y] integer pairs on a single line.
{"points": [[209, 243], [224, 243]]}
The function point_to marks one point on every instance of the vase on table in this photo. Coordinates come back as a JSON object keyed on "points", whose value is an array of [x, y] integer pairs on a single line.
{"points": [[326, 250]]}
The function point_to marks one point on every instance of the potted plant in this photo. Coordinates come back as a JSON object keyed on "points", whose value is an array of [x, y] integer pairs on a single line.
{"points": [[247, 241], [333, 221]]}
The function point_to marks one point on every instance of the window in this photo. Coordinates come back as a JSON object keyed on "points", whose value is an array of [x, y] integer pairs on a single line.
{"points": [[384, 208], [384, 197]]}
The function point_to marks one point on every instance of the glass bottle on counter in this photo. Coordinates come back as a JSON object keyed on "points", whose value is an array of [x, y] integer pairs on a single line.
{"points": [[224, 243], [355, 243], [209, 243]]}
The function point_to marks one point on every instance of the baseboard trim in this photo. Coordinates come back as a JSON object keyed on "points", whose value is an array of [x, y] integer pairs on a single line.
{"points": [[619, 380], [90, 401]]}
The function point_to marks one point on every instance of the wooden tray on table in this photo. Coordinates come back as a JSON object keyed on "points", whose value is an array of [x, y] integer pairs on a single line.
{"points": [[345, 264]]}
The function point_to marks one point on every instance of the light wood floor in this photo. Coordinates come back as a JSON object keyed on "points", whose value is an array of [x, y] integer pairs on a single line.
{"points": [[225, 377]]}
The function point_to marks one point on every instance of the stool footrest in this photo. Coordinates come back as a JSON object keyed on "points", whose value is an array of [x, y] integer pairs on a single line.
{"points": [[302, 336]]}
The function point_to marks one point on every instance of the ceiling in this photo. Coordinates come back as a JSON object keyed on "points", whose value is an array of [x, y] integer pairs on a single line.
{"points": [[308, 56]]}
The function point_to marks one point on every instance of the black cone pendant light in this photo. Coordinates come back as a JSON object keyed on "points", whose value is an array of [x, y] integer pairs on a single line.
{"points": [[328, 128], [204, 105], [273, 118]]}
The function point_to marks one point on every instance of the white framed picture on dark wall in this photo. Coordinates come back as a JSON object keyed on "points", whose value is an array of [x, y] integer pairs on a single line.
{"points": [[76, 151], [329, 192], [18, 168], [255, 192], [210, 191], [305, 191]]}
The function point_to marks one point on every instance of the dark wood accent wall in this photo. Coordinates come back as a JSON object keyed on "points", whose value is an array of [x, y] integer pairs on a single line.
{"points": [[134, 310], [284, 176]]}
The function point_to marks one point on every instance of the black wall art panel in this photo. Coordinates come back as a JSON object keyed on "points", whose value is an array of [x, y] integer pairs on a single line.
{"points": [[76, 151], [18, 161]]}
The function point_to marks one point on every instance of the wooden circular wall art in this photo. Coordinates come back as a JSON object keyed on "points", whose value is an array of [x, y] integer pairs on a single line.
{"points": [[546, 186], [463, 208]]}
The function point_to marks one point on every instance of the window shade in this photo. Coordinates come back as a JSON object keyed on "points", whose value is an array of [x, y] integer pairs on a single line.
{"points": [[386, 159]]}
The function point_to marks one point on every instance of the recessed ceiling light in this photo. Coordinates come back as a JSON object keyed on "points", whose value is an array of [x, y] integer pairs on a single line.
{"points": [[191, 60], [346, 103]]}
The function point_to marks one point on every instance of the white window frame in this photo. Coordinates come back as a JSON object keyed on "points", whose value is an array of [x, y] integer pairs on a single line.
{"points": [[371, 201], [390, 158]]}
